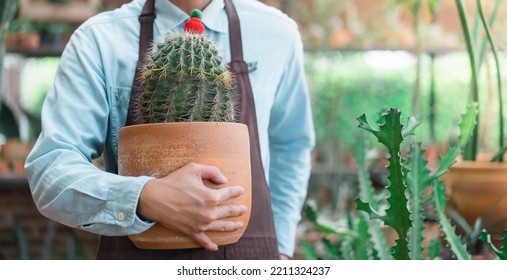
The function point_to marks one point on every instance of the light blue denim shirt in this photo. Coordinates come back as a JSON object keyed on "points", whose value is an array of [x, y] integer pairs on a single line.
{"points": [[88, 103]]}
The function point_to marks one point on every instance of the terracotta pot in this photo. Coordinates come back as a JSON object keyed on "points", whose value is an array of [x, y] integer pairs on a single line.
{"points": [[473, 189], [159, 149], [29, 41]]}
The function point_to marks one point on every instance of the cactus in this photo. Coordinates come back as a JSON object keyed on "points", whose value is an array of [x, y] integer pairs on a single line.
{"points": [[185, 79]]}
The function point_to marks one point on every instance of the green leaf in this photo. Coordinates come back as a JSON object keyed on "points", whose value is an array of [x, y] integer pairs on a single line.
{"points": [[326, 228], [379, 241], [331, 249], [486, 238], [417, 180], [389, 133], [347, 249], [471, 150], [397, 215], [366, 190], [499, 155], [459, 220], [467, 126], [434, 248], [362, 241], [468, 123], [445, 163], [364, 206], [408, 130], [453, 240], [498, 73], [309, 251], [322, 226], [310, 211]]}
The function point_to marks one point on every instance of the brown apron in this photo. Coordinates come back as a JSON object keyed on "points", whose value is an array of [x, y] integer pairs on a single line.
{"points": [[259, 240]]}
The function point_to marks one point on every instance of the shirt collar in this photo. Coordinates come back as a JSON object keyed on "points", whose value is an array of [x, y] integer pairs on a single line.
{"points": [[173, 17]]}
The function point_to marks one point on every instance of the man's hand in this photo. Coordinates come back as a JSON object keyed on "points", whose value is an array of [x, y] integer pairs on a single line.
{"points": [[182, 202]]}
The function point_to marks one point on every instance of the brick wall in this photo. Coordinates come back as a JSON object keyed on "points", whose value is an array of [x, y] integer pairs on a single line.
{"points": [[43, 238]]}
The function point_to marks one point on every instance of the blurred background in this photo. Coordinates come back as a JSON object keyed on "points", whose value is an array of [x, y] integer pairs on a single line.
{"points": [[361, 56]]}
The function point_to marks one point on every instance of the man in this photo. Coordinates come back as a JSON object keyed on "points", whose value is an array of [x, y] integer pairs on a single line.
{"points": [[88, 104]]}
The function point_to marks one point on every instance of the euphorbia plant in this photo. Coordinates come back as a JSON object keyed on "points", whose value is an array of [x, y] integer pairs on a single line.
{"points": [[186, 79], [408, 181]]}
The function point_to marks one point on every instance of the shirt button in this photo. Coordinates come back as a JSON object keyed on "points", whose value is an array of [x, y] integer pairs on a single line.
{"points": [[121, 216]]}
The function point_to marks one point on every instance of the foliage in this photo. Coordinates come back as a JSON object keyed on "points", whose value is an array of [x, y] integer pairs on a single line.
{"points": [[185, 79], [344, 84], [347, 83], [23, 25], [502, 252], [397, 215], [413, 171], [407, 184], [475, 56]]}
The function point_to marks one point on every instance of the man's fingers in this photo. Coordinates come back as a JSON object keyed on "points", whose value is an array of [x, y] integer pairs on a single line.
{"points": [[229, 211], [226, 193], [224, 226], [203, 239], [211, 173]]}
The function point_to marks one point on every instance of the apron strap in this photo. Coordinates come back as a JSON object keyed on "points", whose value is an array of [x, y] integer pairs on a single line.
{"points": [[246, 105], [147, 18], [237, 61]]}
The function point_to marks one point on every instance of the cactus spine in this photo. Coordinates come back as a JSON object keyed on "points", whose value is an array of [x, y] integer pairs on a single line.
{"points": [[185, 79]]}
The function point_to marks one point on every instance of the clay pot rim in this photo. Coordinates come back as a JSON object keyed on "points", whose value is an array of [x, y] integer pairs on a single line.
{"points": [[479, 165], [189, 124]]}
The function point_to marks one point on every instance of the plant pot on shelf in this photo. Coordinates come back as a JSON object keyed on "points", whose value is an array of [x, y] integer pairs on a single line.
{"points": [[159, 149], [22, 40], [475, 187], [29, 41]]}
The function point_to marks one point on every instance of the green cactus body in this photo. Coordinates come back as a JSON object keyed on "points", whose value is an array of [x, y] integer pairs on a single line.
{"points": [[185, 79]]}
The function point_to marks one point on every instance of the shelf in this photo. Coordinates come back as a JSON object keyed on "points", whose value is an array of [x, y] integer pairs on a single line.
{"points": [[43, 51], [76, 11]]}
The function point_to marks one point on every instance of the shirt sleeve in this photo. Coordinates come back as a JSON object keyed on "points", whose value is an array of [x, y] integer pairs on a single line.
{"points": [[291, 139], [65, 185]]}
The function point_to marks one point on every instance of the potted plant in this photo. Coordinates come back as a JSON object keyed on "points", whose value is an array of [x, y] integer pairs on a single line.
{"points": [[23, 34], [185, 114], [473, 184]]}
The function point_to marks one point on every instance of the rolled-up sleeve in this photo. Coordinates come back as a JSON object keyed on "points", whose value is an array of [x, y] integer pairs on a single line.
{"points": [[66, 186], [291, 139]]}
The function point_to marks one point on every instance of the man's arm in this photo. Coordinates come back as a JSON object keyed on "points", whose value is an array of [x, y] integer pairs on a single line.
{"points": [[291, 138], [65, 185]]}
